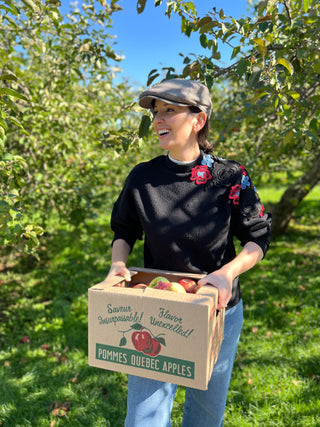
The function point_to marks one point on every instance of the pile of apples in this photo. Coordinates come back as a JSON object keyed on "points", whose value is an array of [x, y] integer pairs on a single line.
{"points": [[162, 283]]}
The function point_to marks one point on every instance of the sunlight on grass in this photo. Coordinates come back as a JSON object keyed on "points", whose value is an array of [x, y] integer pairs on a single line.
{"points": [[44, 372]]}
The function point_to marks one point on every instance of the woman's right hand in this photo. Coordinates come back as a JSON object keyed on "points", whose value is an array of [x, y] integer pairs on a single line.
{"points": [[119, 269]]}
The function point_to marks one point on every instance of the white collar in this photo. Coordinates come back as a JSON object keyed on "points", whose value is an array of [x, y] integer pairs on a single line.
{"points": [[178, 162]]}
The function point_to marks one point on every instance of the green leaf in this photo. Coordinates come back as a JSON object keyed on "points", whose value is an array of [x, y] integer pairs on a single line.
{"points": [[136, 326], [161, 340], [35, 6], [286, 64], [152, 76], [203, 41], [313, 126], [144, 126], [306, 5], [123, 341], [242, 66], [15, 121], [14, 213], [11, 92], [4, 207], [254, 78], [204, 21], [3, 124], [8, 77], [295, 95], [141, 4], [261, 46], [235, 52], [12, 10], [316, 67], [221, 14]]}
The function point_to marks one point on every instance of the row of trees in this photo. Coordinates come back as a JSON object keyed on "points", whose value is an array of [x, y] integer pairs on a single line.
{"points": [[57, 101], [59, 105]]}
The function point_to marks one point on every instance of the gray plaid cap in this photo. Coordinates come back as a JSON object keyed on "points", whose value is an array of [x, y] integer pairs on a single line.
{"points": [[178, 92]]}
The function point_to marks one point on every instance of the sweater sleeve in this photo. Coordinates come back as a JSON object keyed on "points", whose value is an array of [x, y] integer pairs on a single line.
{"points": [[250, 222], [124, 218]]}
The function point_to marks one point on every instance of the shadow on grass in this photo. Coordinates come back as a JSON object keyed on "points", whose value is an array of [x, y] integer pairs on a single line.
{"points": [[46, 303]]}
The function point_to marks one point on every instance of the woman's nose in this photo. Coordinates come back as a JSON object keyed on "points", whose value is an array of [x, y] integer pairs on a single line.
{"points": [[159, 117]]}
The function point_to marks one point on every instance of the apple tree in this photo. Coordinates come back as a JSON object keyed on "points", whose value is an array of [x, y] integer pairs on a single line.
{"points": [[57, 102], [267, 99]]}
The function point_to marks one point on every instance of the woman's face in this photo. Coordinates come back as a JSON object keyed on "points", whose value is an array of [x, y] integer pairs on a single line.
{"points": [[177, 128]]}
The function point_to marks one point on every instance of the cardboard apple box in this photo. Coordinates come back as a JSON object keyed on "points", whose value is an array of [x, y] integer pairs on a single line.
{"points": [[167, 336]]}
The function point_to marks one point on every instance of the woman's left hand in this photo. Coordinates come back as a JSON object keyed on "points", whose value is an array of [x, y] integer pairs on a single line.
{"points": [[220, 280]]}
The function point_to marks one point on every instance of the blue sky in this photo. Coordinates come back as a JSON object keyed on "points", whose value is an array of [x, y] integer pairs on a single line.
{"points": [[150, 40]]}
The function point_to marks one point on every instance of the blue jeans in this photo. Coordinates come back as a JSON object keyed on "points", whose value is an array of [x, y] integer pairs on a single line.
{"points": [[150, 402]]}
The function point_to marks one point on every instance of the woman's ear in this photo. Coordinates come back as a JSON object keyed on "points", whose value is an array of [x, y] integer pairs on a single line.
{"points": [[201, 121]]}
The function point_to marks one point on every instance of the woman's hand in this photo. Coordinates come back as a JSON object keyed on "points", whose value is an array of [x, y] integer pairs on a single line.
{"points": [[119, 269], [221, 280], [120, 252]]}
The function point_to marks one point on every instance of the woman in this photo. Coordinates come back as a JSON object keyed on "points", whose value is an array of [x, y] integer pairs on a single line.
{"points": [[189, 205]]}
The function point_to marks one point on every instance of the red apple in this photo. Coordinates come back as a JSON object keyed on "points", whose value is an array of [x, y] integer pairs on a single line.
{"points": [[176, 287], [141, 340], [162, 285], [154, 350], [189, 285], [157, 279]]}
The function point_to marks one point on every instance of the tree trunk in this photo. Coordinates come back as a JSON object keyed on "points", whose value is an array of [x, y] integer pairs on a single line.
{"points": [[284, 210]]}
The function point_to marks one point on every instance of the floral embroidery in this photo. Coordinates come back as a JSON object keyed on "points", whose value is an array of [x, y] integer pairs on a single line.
{"points": [[245, 182], [244, 172], [200, 174], [235, 193], [261, 212], [207, 160]]}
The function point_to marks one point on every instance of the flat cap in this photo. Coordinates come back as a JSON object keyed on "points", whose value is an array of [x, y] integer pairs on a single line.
{"points": [[178, 92]]}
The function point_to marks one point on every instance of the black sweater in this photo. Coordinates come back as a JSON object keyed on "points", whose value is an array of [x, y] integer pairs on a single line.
{"points": [[189, 225]]}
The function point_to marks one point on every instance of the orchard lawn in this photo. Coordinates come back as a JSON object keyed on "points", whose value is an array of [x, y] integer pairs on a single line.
{"points": [[45, 379]]}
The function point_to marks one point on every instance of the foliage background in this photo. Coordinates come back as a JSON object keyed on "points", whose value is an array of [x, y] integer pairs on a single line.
{"points": [[68, 137]]}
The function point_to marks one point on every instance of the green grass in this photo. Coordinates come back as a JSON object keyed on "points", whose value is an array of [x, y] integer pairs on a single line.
{"points": [[47, 381]]}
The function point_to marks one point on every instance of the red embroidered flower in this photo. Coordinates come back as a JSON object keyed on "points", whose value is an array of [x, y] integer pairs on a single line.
{"points": [[200, 174], [261, 212], [235, 193], [243, 170]]}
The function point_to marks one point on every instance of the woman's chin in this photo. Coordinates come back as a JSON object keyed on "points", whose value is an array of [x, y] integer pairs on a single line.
{"points": [[165, 145]]}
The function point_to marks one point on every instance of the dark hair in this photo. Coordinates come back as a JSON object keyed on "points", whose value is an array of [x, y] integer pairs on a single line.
{"points": [[203, 134]]}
